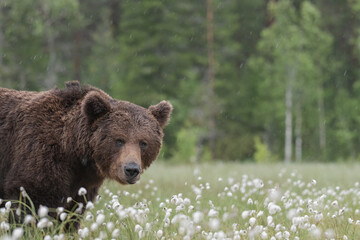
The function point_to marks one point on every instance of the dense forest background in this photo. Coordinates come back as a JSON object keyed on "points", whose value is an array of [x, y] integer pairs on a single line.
{"points": [[250, 80]]}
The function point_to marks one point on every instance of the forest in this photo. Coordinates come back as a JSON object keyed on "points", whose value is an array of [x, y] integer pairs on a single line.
{"points": [[250, 80]]}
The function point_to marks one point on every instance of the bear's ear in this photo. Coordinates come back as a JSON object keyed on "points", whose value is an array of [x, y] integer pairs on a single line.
{"points": [[94, 106], [162, 112], [73, 85]]}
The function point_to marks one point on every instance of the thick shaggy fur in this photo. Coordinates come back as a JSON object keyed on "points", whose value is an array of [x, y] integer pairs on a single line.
{"points": [[56, 141]]}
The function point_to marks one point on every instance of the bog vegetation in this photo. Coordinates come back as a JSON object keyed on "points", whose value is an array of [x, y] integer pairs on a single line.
{"points": [[217, 201], [246, 78]]}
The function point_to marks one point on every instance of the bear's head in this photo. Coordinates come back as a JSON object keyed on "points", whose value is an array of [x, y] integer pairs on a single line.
{"points": [[125, 138]]}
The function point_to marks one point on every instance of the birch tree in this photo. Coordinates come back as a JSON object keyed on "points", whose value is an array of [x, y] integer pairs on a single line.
{"points": [[210, 79], [292, 67]]}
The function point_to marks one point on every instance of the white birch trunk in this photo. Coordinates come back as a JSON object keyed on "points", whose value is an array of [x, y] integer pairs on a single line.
{"points": [[51, 78], [298, 131], [211, 77], [288, 114], [322, 126]]}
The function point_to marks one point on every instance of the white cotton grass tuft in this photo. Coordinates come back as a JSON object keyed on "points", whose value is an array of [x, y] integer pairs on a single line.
{"points": [[159, 233], [89, 217], [8, 205], [141, 234], [115, 233], [138, 228], [43, 211], [198, 217], [100, 218], [94, 226], [82, 191], [245, 214], [252, 221], [83, 233], [214, 224], [59, 237], [4, 226], [23, 192], [79, 208], [29, 219], [89, 205], [264, 235], [43, 223], [273, 208], [243, 232], [274, 194], [59, 210], [63, 216], [17, 233], [213, 213], [329, 233], [269, 220], [110, 226], [148, 227], [316, 233]]}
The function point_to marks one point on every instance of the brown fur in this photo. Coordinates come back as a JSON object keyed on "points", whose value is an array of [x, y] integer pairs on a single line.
{"points": [[56, 141]]}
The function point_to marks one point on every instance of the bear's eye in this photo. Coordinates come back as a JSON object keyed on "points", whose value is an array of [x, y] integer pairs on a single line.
{"points": [[120, 142], [142, 145]]}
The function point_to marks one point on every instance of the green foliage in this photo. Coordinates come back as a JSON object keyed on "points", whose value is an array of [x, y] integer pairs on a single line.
{"points": [[29, 27], [262, 153], [147, 51], [186, 142], [238, 148]]}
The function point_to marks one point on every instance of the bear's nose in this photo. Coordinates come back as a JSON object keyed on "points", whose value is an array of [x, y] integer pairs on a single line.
{"points": [[131, 170]]}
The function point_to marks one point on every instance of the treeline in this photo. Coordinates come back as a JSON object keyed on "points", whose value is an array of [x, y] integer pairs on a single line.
{"points": [[250, 80]]}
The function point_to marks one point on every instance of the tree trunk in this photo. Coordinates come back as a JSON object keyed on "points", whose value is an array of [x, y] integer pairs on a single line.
{"points": [[1, 41], [211, 76], [288, 114], [270, 18], [322, 126], [22, 80], [298, 130], [199, 148], [115, 17], [51, 78], [2, 80], [77, 55]]}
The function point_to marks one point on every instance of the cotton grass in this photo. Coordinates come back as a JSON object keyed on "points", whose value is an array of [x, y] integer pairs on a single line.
{"points": [[219, 202]]}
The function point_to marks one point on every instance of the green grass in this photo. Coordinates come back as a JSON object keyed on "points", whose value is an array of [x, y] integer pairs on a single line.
{"points": [[205, 207]]}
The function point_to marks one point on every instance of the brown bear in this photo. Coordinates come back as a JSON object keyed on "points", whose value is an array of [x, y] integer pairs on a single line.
{"points": [[54, 142]]}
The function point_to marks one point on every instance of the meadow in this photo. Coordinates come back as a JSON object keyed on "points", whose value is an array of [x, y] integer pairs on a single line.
{"points": [[214, 201]]}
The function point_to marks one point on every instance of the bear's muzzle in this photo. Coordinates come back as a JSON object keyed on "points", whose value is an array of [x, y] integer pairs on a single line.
{"points": [[132, 170]]}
